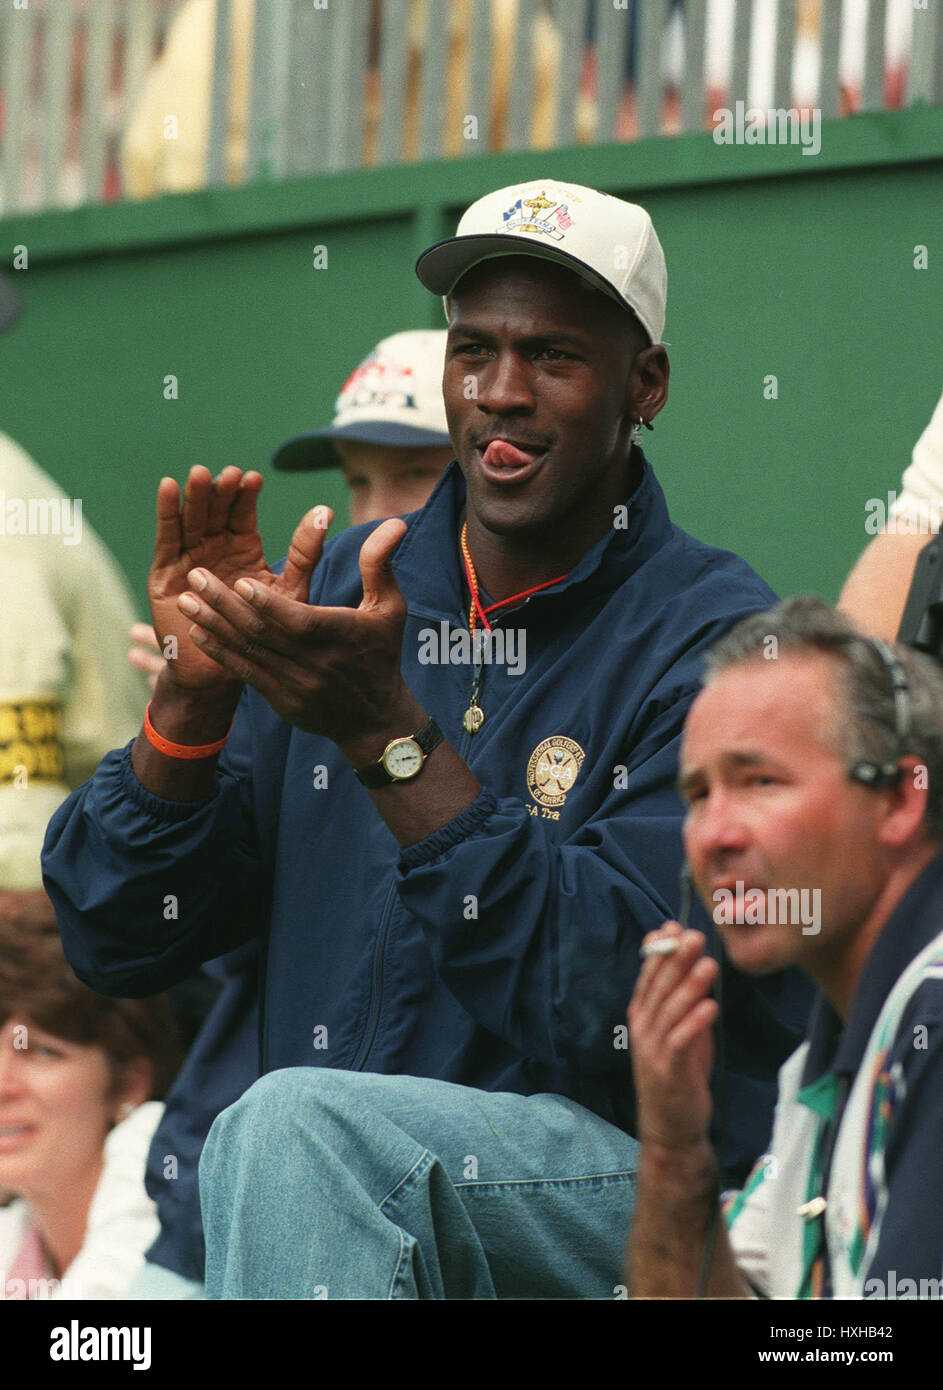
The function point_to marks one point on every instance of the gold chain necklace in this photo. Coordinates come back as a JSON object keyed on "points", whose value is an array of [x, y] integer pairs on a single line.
{"points": [[474, 716]]}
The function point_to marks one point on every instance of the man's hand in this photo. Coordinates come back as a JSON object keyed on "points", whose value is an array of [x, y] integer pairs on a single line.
{"points": [[670, 1029], [330, 671], [213, 539], [215, 531], [670, 1026]]}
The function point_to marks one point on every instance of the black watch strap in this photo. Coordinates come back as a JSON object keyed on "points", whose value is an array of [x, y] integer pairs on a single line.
{"points": [[428, 737]]}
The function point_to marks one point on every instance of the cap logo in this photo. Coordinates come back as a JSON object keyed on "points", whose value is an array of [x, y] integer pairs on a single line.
{"points": [[539, 215], [364, 396], [377, 383]]}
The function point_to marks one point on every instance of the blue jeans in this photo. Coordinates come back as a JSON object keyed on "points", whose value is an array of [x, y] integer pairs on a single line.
{"points": [[334, 1184], [157, 1283]]}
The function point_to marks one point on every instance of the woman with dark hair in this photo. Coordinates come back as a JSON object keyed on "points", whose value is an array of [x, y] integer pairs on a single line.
{"points": [[80, 1081]]}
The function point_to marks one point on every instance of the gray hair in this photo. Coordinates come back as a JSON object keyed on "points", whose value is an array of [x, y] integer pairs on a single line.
{"points": [[865, 727]]}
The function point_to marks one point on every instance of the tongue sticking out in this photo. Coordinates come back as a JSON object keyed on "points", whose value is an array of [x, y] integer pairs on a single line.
{"points": [[501, 454]]}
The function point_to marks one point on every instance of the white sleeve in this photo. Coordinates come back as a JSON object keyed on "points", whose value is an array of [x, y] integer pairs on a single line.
{"points": [[122, 1220], [763, 1227], [923, 479], [748, 1218], [14, 1218]]}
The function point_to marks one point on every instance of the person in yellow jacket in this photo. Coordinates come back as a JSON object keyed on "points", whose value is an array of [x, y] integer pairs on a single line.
{"points": [[166, 141], [67, 694]]}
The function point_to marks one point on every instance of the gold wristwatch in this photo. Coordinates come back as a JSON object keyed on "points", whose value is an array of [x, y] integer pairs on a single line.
{"points": [[402, 758]]}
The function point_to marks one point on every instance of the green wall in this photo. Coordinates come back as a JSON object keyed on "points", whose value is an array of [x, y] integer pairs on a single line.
{"points": [[778, 264]]}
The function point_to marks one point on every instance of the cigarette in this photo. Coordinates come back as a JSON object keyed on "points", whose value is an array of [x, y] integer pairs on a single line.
{"points": [[661, 946]]}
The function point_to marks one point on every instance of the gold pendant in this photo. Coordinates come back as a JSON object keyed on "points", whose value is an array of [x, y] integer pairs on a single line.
{"points": [[473, 718]]}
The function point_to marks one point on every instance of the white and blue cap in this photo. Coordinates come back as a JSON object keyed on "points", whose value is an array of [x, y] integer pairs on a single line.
{"points": [[607, 241], [393, 398]]}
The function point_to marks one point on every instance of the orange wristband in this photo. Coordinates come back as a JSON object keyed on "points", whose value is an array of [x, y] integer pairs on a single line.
{"points": [[179, 750]]}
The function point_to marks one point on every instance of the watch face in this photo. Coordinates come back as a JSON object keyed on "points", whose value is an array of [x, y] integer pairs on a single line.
{"points": [[403, 758]]}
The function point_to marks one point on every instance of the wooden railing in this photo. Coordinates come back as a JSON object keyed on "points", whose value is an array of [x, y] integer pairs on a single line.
{"points": [[100, 100]]}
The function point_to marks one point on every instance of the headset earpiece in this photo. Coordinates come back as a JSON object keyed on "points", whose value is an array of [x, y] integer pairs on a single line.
{"points": [[879, 776], [876, 776]]}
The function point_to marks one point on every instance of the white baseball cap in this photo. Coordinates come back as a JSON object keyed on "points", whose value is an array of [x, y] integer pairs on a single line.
{"points": [[607, 241], [393, 398]]}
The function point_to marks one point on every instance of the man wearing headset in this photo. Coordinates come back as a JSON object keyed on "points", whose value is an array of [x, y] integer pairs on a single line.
{"points": [[812, 768]]}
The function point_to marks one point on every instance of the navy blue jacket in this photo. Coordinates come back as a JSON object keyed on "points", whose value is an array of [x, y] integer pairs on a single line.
{"points": [[220, 1066], [501, 951]]}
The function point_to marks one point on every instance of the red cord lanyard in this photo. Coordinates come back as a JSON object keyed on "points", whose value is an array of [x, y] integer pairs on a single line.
{"points": [[474, 716]]}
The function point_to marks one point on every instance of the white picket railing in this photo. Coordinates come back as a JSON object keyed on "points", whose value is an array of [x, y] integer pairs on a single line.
{"points": [[292, 87]]}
